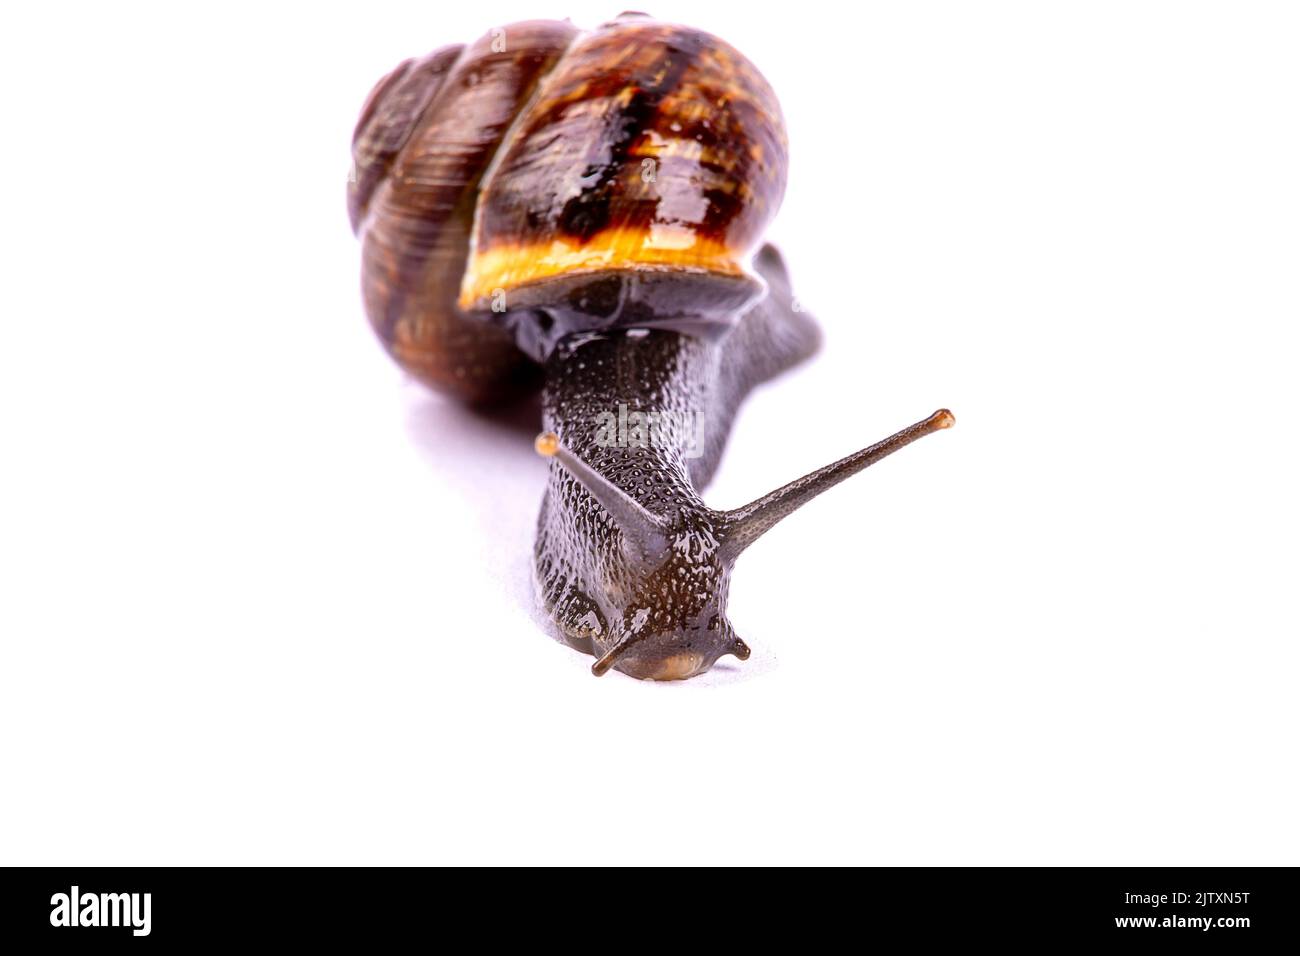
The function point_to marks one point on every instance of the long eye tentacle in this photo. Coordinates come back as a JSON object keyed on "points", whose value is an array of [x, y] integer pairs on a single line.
{"points": [[645, 532], [745, 525]]}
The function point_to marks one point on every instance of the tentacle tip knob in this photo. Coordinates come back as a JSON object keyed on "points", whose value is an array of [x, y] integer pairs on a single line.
{"points": [[547, 444], [943, 419], [741, 650]]}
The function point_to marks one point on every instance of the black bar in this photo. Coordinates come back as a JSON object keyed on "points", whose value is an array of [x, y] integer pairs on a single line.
{"points": [[1225, 908]]}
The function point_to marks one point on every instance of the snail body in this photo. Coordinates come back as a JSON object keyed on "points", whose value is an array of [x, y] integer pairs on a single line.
{"points": [[580, 211]]}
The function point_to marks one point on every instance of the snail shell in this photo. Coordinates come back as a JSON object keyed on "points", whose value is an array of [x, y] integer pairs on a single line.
{"points": [[542, 181]]}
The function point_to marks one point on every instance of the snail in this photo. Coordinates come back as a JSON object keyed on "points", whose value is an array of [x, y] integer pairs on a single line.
{"points": [[579, 211]]}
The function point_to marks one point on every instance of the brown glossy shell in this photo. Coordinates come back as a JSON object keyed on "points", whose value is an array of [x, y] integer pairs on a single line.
{"points": [[650, 148], [425, 138], [629, 171]]}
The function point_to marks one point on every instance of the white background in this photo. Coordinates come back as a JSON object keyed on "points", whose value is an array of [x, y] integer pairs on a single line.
{"points": [[264, 601]]}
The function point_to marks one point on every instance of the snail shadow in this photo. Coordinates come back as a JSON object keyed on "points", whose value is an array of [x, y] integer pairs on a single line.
{"points": [[486, 455], [434, 420], [484, 458]]}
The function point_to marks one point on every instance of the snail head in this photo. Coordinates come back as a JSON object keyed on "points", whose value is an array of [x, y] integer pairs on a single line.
{"points": [[672, 622]]}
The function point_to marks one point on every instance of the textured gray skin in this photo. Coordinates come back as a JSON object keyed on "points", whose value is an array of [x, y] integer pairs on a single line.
{"points": [[595, 588]]}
